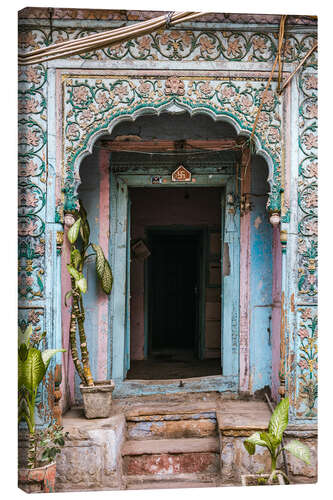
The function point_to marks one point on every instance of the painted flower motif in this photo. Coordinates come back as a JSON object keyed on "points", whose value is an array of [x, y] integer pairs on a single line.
{"points": [[33, 317], [116, 48], [40, 248], [312, 169], [72, 132], [311, 82], [268, 99], [234, 47], [306, 314], [227, 92], [311, 199], [312, 227], [206, 45], [273, 134], [246, 103], [28, 106], [174, 86], [312, 279], [28, 199], [144, 43], [29, 168], [164, 39], [102, 99], [27, 228], [288, 48], [259, 44], [264, 117], [32, 75], [310, 141], [205, 88], [312, 110], [32, 137], [144, 88], [303, 333], [303, 364], [302, 247], [121, 91], [80, 94], [59, 39], [86, 116], [186, 38], [27, 39]]}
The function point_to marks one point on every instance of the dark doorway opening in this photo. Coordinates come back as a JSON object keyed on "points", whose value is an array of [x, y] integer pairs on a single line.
{"points": [[174, 281]]}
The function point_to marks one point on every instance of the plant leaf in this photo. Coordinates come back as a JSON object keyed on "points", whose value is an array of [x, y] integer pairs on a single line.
{"points": [[73, 272], [73, 231], [32, 370], [47, 355], [23, 338], [82, 284], [270, 441], [251, 442], [100, 260], [68, 294], [85, 232], [279, 420], [23, 352], [107, 278], [299, 450], [75, 257]]}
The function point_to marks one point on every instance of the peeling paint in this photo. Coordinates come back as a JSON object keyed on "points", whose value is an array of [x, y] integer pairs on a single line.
{"points": [[257, 222]]}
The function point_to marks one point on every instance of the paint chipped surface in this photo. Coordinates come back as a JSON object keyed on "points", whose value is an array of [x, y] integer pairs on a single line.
{"points": [[257, 222]]}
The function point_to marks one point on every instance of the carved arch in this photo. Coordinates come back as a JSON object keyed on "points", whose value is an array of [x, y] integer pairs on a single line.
{"points": [[94, 106]]}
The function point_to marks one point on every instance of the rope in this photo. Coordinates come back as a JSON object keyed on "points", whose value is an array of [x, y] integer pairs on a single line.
{"points": [[298, 67], [107, 38]]}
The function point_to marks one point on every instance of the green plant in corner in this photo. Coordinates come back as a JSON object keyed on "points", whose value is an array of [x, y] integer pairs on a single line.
{"points": [[272, 440], [32, 366], [47, 443], [78, 236]]}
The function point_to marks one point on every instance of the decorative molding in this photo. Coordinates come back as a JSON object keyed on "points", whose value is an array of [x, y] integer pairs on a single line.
{"points": [[94, 104]]}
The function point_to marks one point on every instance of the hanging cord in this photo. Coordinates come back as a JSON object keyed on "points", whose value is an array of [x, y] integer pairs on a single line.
{"points": [[290, 77], [168, 20], [105, 39], [278, 58], [285, 464]]}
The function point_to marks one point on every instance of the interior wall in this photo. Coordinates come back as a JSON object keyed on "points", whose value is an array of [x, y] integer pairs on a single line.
{"points": [[195, 207]]}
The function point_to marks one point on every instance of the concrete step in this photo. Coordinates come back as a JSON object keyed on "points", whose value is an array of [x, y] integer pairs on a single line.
{"points": [[168, 426]]}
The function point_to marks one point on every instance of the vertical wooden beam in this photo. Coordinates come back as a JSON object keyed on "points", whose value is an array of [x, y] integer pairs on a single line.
{"points": [[104, 235], [276, 311], [245, 263]]}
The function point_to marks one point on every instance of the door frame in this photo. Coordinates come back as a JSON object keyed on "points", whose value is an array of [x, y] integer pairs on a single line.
{"points": [[229, 380]]}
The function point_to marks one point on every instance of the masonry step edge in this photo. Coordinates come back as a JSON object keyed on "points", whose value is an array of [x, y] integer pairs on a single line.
{"points": [[180, 445]]}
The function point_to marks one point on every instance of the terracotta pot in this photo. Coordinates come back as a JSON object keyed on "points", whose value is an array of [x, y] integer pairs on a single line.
{"points": [[97, 399], [38, 480], [261, 479]]}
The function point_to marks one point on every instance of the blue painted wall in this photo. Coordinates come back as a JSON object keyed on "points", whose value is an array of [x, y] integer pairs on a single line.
{"points": [[261, 280]]}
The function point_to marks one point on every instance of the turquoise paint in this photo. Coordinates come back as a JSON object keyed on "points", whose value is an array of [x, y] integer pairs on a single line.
{"points": [[260, 280]]}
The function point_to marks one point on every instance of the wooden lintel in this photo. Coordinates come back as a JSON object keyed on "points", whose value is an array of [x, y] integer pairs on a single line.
{"points": [[163, 145]]}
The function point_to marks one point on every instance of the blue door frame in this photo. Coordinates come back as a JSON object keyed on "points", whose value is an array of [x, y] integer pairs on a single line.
{"points": [[119, 314]]}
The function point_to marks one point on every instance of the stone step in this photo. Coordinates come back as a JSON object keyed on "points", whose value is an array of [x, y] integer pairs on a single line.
{"points": [[183, 445], [172, 426], [161, 481]]}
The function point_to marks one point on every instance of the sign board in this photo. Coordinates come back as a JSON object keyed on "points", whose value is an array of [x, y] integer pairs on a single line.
{"points": [[181, 174]]}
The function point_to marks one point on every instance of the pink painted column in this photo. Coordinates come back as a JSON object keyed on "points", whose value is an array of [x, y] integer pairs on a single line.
{"points": [[104, 235], [245, 267], [67, 385], [276, 310]]}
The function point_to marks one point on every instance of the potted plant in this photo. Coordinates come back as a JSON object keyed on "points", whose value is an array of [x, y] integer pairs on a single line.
{"points": [[97, 395], [43, 445], [272, 440]]}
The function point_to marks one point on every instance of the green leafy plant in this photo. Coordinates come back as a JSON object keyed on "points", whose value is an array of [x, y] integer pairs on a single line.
{"points": [[32, 366], [46, 444], [272, 440], [78, 236]]}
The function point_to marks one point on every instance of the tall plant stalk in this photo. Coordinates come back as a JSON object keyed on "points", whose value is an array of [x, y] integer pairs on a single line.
{"points": [[78, 236]]}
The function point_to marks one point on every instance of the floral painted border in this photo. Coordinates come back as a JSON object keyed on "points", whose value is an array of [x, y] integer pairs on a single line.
{"points": [[93, 104], [178, 45], [32, 171]]}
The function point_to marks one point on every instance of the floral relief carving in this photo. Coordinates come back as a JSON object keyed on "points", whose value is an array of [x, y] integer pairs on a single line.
{"points": [[32, 180], [307, 361]]}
